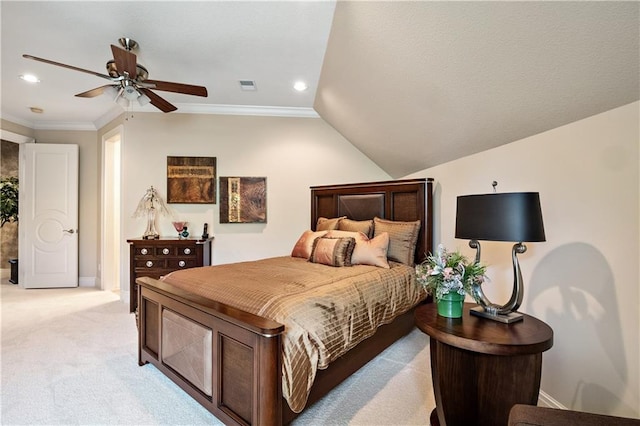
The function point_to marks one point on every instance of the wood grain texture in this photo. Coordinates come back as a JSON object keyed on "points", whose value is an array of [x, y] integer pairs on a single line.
{"points": [[481, 368], [485, 336], [166, 255], [404, 200]]}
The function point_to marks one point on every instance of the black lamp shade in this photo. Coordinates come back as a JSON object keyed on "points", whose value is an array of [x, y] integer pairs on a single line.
{"points": [[511, 216]]}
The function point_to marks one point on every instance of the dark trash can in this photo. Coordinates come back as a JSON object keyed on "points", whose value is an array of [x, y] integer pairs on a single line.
{"points": [[14, 271]]}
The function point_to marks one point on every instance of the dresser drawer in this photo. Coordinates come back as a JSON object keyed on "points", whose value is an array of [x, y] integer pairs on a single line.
{"points": [[172, 251], [141, 251], [149, 263], [183, 263]]}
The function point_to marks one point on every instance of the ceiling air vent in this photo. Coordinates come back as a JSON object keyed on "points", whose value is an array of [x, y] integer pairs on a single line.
{"points": [[247, 85]]}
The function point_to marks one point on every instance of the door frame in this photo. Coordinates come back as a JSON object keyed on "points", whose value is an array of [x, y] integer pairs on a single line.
{"points": [[105, 241], [15, 138]]}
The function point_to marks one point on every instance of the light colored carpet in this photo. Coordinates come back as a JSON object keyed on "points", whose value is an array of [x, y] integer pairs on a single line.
{"points": [[69, 357]]}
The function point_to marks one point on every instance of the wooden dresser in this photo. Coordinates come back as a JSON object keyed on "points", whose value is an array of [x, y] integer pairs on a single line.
{"points": [[155, 258]]}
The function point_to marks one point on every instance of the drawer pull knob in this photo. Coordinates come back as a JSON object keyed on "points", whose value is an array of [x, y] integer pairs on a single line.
{"points": [[182, 263], [149, 264], [187, 250], [165, 251], [144, 251]]}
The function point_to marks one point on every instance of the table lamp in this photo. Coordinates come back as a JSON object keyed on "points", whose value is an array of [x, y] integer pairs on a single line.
{"points": [[514, 217], [148, 206]]}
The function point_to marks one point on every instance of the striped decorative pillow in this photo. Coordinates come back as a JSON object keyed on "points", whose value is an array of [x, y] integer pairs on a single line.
{"points": [[332, 251]]}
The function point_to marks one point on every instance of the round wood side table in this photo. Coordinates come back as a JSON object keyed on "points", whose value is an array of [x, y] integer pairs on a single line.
{"points": [[481, 368]]}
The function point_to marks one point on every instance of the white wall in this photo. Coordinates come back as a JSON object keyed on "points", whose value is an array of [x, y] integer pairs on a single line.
{"points": [[292, 153], [584, 280]]}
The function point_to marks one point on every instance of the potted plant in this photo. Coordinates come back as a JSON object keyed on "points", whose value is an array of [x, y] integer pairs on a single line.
{"points": [[449, 276], [8, 200], [9, 213]]}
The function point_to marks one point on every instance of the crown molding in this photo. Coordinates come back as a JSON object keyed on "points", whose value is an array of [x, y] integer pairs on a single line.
{"points": [[51, 125], [6, 135], [219, 109], [16, 120], [270, 111]]}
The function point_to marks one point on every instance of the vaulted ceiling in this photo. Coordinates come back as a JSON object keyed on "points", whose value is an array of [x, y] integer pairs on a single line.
{"points": [[410, 84]]}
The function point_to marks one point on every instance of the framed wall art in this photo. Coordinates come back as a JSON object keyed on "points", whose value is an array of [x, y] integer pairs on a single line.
{"points": [[243, 200], [191, 180]]}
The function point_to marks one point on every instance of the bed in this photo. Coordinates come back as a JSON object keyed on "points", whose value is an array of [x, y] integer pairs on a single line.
{"points": [[230, 358]]}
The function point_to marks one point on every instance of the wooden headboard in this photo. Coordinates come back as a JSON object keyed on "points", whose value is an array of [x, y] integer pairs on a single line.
{"points": [[402, 200]]}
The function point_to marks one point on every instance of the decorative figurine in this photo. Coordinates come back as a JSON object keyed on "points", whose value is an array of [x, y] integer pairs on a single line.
{"points": [[180, 227]]}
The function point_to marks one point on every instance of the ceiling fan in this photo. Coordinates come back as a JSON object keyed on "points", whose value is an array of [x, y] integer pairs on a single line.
{"points": [[129, 79]]}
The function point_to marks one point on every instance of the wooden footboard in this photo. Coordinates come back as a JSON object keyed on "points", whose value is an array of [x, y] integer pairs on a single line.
{"points": [[236, 375], [245, 356]]}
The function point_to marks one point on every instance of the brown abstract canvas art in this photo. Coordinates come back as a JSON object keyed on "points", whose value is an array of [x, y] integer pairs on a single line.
{"points": [[191, 180], [243, 200]]}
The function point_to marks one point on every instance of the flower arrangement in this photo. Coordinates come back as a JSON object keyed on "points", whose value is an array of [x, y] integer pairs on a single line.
{"points": [[447, 272]]}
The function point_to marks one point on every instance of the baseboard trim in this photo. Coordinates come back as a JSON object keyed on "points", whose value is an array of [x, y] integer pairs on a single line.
{"points": [[86, 281], [546, 400]]}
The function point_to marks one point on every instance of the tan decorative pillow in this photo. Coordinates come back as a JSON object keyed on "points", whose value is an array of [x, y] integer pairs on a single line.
{"points": [[332, 251], [304, 245], [403, 237], [367, 251], [325, 224], [364, 226]]}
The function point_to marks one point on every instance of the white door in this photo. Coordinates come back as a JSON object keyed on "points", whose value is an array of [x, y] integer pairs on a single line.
{"points": [[48, 211]]}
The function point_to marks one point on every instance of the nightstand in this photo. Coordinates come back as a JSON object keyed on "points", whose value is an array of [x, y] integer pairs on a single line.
{"points": [[481, 368], [155, 258]]}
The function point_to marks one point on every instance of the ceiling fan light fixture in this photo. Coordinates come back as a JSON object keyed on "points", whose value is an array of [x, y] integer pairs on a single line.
{"points": [[123, 102], [130, 93], [129, 78], [143, 99]]}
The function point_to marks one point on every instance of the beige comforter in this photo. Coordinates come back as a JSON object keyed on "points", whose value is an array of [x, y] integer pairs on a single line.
{"points": [[326, 310]]}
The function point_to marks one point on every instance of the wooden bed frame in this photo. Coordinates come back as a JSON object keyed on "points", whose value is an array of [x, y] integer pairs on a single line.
{"points": [[246, 348]]}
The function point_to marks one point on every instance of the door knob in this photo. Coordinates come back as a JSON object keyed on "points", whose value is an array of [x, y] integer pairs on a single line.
{"points": [[69, 231]]}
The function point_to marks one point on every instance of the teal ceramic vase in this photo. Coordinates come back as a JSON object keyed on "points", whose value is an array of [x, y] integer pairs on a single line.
{"points": [[450, 305]]}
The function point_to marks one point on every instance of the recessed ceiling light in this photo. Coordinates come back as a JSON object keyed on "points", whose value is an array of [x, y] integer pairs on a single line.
{"points": [[36, 110], [30, 78], [300, 86]]}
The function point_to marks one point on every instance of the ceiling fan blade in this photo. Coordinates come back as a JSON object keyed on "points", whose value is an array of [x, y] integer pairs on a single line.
{"points": [[94, 92], [157, 101], [187, 89], [125, 61], [71, 67]]}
